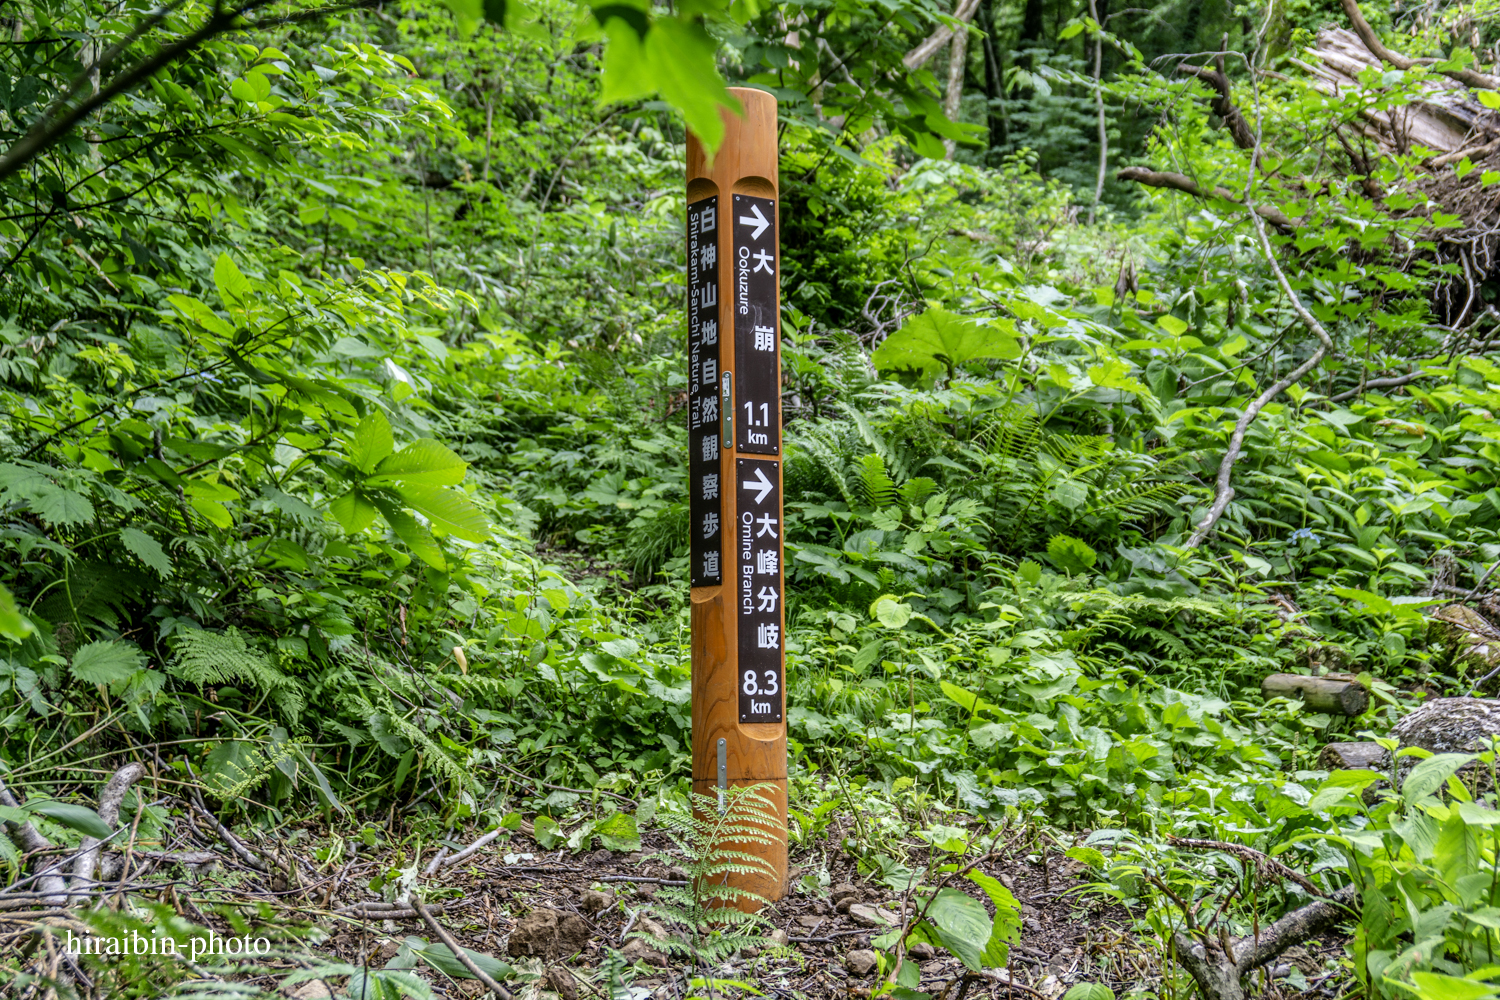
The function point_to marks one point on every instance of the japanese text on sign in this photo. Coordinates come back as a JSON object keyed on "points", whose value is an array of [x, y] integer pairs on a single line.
{"points": [[757, 339], [759, 594], [705, 506]]}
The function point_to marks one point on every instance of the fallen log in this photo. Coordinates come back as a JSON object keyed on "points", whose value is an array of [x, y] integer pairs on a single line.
{"points": [[1341, 696], [1353, 757], [1218, 965]]}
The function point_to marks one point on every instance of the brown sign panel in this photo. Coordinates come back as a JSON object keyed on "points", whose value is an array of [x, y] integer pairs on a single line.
{"points": [[757, 327], [758, 589], [705, 504]]}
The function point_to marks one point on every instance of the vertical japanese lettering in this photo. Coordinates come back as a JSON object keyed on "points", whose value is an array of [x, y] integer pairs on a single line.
{"points": [[704, 504]]}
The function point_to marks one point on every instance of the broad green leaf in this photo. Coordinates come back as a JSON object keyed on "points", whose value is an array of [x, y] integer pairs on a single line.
{"points": [[1437, 986], [448, 509], [673, 56], [1007, 924], [441, 958], [1089, 991], [619, 832], [1070, 554], [232, 286], [423, 462], [353, 511], [936, 339], [13, 624], [962, 924], [107, 661], [547, 832], [74, 817], [61, 507], [148, 550], [890, 612], [213, 511], [1430, 775], [416, 537], [372, 442]]}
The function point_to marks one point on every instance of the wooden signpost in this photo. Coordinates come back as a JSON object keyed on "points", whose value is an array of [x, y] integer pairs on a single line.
{"points": [[734, 465]]}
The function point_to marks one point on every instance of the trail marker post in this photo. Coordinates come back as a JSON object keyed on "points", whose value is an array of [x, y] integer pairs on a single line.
{"points": [[734, 466]]}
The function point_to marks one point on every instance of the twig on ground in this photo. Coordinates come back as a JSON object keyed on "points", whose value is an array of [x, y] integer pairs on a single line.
{"points": [[467, 851], [641, 878], [1267, 864], [458, 952], [565, 788]]}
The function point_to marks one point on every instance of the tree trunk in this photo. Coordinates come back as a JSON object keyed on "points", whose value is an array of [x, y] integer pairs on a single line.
{"points": [[958, 57], [994, 76]]}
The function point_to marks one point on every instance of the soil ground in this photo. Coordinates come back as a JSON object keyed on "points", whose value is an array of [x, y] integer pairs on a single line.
{"points": [[1068, 937]]}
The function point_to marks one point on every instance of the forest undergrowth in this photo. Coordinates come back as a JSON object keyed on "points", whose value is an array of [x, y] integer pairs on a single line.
{"points": [[341, 518]]}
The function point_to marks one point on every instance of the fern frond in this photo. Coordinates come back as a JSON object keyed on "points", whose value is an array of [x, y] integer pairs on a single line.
{"points": [[205, 657], [435, 755], [874, 486]]}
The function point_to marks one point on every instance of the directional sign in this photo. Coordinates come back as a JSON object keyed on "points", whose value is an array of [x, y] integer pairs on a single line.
{"points": [[759, 589], [705, 502], [757, 327]]}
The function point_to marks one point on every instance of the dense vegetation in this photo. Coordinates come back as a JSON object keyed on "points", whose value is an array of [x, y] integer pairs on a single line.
{"points": [[342, 370]]}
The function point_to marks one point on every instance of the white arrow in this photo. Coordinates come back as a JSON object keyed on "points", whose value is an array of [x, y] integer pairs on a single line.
{"points": [[761, 488], [760, 222]]}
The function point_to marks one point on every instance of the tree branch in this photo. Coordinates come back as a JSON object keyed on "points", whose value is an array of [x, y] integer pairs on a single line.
{"points": [[1224, 487], [917, 57], [54, 125], [1223, 103], [1185, 184], [1467, 77], [1218, 966]]}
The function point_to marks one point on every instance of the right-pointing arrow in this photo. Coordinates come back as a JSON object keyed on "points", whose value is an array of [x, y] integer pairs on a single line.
{"points": [[756, 219], [762, 487]]}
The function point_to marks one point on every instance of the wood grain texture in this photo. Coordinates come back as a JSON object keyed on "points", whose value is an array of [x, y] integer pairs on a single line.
{"points": [[746, 163], [1339, 695]]}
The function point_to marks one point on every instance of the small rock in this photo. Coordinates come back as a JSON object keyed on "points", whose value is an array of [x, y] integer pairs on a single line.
{"points": [[637, 950], [811, 921], [549, 934], [385, 951], [779, 937], [560, 981], [313, 989], [749, 952], [844, 890], [922, 951], [591, 901], [842, 906], [866, 915], [601, 857], [648, 926], [861, 962], [821, 907]]}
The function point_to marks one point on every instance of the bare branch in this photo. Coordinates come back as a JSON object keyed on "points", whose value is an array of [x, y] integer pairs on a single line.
{"points": [[1467, 77], [1181, 182], [1224, 487], [917, 57]]}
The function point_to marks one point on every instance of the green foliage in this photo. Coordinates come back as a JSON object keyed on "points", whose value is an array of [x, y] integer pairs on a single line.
{"points": [[717, 838]]}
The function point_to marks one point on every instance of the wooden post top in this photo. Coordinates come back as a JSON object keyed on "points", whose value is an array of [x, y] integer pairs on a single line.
{"points": [[747, 159]]}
